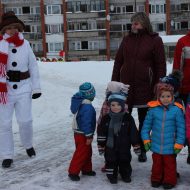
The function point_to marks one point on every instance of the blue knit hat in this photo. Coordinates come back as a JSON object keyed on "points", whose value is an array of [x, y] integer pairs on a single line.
{"points": [[173, 79], [87, 90], [118, 97]]}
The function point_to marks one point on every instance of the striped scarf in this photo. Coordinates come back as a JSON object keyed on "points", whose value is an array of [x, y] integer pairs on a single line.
{"points": [[17, 40]]}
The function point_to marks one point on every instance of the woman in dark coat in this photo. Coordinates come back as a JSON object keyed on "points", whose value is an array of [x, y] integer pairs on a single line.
{"points": [[140, 62]]}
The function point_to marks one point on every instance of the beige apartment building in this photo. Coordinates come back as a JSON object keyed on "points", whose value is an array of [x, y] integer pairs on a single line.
{"points": [[92, 29]]}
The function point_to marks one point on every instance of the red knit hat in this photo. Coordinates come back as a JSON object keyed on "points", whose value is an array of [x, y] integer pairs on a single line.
{"points": [[10, 18], [161, 87]]}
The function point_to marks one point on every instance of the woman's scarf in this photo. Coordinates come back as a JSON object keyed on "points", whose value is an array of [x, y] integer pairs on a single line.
{"points": [[5, 40]]}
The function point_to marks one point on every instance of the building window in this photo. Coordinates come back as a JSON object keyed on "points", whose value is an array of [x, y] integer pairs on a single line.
{"points": [[36, 47], [184, 25], [84, 26], [129, 8], [35, 10], [35, 28], [53, 9], [141, 8], [160, 27], [157, 9], [118, 9], [84, 44], [54, 28], [177, 26], [116, 27], [27, 28], [124, 9], [26, 10], [55, 47], [16, 10], [184, 7], [101, 25]]}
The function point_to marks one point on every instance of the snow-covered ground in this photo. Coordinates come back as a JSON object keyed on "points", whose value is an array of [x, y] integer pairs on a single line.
{"points": [[53, 136]]}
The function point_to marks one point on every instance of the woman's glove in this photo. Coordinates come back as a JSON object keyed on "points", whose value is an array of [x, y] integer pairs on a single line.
{"points": [[36, 95]]}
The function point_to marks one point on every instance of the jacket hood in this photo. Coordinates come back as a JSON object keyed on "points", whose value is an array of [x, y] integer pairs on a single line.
{"points": [[76, 101]]}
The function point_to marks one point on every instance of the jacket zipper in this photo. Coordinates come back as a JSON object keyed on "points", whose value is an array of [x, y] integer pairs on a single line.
{"points": [[162, 132]]}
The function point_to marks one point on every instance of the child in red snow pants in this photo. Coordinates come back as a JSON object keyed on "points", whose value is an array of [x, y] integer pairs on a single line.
{"points": [[82, 157], [164, 169]]}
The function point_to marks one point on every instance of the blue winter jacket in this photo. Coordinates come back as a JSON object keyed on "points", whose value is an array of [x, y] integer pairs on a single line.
{"points": [[86, 116], [164, 127]]}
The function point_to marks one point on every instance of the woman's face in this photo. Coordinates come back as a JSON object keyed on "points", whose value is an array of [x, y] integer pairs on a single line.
{"points": [[136, 26], [11, 30]]}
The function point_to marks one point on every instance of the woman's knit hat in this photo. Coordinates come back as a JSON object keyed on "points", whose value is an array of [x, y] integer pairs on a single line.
{"points": [[162, 87], [9, 18], [87, 90]]}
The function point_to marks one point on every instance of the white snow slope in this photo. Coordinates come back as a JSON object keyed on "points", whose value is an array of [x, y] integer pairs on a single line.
{"points": [[53, 136]]}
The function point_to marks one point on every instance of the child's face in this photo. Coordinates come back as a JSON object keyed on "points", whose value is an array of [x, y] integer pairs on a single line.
{"points": [[166, 98], [115, 107], [12, 30]]}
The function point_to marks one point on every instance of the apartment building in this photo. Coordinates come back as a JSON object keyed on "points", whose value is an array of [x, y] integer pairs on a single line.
{"points": [[179, 16], [86, 30], [92, 29], [43, 21]]}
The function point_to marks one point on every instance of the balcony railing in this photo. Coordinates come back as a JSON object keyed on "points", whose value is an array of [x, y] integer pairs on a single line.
{"points": [[32, 36]]}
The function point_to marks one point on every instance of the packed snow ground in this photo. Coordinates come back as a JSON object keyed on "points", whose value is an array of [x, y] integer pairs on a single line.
{"points": [[53, 137]]}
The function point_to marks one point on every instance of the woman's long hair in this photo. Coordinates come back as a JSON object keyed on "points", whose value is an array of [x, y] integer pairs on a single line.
{"points": [[144, 20]]}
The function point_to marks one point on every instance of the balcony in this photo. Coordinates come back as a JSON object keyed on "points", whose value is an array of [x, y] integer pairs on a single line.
{"points": [[121, 16], [182, 31], [32, 36], [79, 16], [87, 34], [30, 18]]}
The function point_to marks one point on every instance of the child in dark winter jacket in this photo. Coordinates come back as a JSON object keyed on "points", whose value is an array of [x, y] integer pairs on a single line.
{"points": [[164, 133], [116, 133], [112, 87], [84, 126]]}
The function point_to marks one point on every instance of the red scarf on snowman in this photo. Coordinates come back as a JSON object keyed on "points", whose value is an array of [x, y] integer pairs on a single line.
{"points": [[17, 40]]}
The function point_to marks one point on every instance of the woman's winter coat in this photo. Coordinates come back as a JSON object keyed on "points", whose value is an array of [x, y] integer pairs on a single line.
{"points": [[164, 127], [140, 62]]}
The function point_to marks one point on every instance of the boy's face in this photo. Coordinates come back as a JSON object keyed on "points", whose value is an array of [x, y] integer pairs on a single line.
{"points": [[166, 98], [115, 107]]}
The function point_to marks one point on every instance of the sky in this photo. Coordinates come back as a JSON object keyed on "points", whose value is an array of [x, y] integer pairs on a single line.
{"points": [[53, 136]]}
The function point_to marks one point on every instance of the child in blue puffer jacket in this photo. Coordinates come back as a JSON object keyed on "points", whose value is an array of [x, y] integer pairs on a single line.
{"points": [[84, 125], [164, 133]]}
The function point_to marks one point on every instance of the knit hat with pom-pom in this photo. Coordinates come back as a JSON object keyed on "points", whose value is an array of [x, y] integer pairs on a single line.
{"points": [[162, 87], [87, 90], [173, 79]]}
